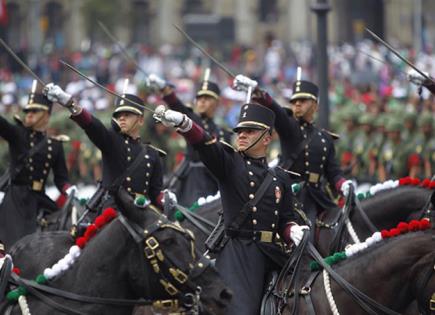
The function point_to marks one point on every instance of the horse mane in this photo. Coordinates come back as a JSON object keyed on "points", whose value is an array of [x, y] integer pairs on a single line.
{"points": [[408, 246], [401, 196], [396, 192]]}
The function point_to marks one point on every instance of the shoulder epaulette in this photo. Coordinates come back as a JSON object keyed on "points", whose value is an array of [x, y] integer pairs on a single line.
{"points": [[18, 120], [334, 136], [61, 138], [227, 145], [159, 151]]}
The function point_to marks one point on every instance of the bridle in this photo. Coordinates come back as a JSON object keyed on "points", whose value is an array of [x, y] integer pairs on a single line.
{"points": [[179, 284], [421, 285], [174, 280]]}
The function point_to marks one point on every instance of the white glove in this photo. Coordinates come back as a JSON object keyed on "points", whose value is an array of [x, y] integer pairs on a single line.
{"points": [[345, 187], [297, 233], [155, 82], [55, 94], [172, 197], [243, 83], [416, 77], [71, 189], [171, 118]]}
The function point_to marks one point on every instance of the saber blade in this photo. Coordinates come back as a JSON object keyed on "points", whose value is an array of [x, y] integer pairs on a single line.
{"points": [[103, 87], [121, 47], [395, 52], [194, 43], [17, 59]]}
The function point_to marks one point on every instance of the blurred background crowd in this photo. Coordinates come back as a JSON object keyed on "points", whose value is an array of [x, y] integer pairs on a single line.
{"points": [[386, 123]]}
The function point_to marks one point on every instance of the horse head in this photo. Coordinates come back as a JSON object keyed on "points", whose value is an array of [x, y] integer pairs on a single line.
{"points": [[181, 277], [423, 283]]}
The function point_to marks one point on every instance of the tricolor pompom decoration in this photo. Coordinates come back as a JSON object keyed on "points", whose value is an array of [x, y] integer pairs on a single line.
{"points": [[201, 201], [350, 250], [70, 258]]}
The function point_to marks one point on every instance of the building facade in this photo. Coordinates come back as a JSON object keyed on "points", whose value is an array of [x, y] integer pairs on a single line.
{"points": [[70, 24]]}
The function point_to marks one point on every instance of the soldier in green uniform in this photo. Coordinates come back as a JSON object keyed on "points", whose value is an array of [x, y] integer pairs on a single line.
{"points": [[425, 145], [410, 127], [363, 149], [394, 156], [346, 145]]}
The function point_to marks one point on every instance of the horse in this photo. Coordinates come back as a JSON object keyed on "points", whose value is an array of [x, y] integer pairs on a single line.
{"points": [[140, 254], [394, 272], [384, 210]]}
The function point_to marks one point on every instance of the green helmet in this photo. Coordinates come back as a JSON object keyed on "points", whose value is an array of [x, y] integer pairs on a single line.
{"points": [[351, 113], [380, 120], [427, 119], [410, 116], [393, 125], [366, 119]]}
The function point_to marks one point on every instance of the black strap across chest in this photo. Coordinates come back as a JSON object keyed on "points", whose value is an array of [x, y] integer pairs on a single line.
{"points": [[243, 214], [129, 170]]}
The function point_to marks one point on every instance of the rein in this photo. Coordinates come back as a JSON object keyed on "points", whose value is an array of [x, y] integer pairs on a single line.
{"points": [[365, 302], [197, 220], [344, 220]]}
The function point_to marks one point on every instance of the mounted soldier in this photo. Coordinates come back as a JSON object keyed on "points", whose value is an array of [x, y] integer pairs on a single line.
{"points": [[192, 179], [127, 162], [32, 155], [257, 201], [306, 149]]}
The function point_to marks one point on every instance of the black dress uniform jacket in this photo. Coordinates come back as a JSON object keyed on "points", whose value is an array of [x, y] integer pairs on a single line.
{"points": [[244, 262], [25, 195], [315, 162], [118, 152], [195, 181]]}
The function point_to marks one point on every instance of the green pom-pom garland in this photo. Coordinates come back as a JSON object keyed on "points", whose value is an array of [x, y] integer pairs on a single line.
{"points": [[41, 279], [180, 217], [83, 201], [330, 260]]}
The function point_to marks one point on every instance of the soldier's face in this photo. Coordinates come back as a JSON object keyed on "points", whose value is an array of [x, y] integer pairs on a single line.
{"points": [[129, 123], [304, 108], [36, 118], [206, 105], [246, 137]]}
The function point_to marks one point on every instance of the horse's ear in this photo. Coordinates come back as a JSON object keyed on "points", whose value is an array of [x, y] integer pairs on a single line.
{"points": [[126, 205]]}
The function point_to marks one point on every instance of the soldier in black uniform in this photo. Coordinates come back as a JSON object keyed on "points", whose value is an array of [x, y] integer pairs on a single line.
{"points": [[306, 149], [120, 144], [253, 248], [194, 179], [25, 194]]}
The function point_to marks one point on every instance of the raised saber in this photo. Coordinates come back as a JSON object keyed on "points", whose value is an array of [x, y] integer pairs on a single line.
{"points": [[103, 87], [121, 47], [390, 48], [17, 59], [192, 41]]}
